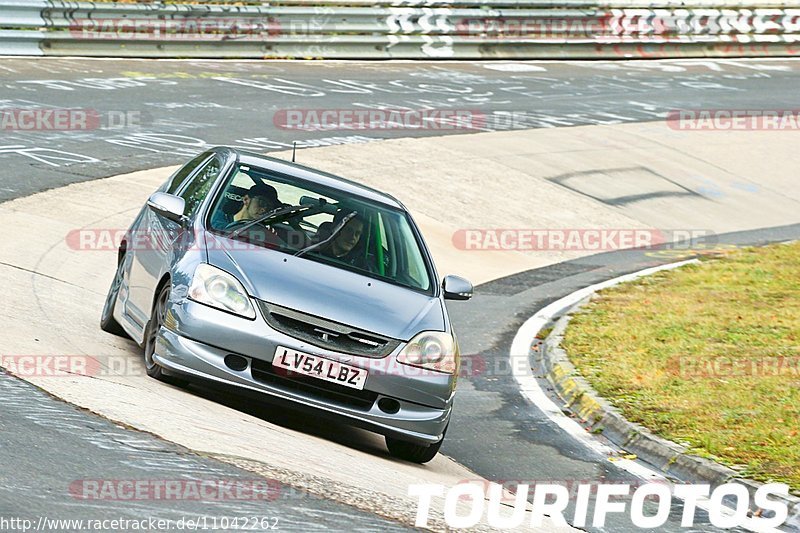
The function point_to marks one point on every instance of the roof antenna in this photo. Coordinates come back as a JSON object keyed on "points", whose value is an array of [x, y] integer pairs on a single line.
{"points": [[294, 149]]}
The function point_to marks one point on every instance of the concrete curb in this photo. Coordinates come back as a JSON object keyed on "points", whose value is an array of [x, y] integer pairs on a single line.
{"points": [[598, 415]]}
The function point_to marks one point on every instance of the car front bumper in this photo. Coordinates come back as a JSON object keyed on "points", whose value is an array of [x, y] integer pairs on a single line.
{"points": [[197, 339]]}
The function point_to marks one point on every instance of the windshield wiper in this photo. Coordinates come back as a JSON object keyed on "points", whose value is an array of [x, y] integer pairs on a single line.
{"points": [[280, 211], [339, 227]]}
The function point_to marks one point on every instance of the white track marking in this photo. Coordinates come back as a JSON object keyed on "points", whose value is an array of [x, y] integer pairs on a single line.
{"points": [[530, 389], [514, 67]]}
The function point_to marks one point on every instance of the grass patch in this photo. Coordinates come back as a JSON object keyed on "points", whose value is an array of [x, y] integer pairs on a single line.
{"points": [[707, 356]]}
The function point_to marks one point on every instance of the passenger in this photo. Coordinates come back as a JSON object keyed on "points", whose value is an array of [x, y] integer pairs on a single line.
{"points": [[344, 247]]}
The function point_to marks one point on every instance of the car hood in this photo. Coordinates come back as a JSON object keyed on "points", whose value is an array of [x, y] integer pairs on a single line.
{"points": [[327, 291]]}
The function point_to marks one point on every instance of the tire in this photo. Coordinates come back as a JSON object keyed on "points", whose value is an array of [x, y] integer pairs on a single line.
{"points": [[152, 368], [414, 453], [107, 321]]}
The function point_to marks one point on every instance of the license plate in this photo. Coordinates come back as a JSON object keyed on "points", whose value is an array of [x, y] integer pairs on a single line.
{"points": [[320, 368]]}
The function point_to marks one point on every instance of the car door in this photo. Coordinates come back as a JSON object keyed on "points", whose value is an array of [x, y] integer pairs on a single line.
{"points": [[159, 237]]}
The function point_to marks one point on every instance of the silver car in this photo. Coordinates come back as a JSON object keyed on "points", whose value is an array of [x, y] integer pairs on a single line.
{"points": [[296, 285]]}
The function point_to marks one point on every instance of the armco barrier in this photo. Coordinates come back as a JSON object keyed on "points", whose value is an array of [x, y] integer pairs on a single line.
{"points": [[383, 29]]}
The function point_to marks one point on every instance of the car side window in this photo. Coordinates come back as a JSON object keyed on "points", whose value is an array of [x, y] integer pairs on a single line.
{"points": [[200, 185], [182, 173]]}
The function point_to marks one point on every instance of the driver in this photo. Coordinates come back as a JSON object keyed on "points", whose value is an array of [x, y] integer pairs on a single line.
{"points": [[256, 202]]}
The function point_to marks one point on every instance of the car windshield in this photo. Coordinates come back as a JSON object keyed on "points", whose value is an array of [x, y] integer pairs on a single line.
{"points": [[305, 219]]}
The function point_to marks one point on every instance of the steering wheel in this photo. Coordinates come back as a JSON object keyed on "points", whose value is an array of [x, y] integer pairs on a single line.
{"points": [[261, 232]]}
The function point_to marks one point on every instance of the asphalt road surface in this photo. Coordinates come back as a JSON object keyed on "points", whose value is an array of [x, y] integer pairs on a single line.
{"points": [[155, 113], [499, 435], [53, 454]]}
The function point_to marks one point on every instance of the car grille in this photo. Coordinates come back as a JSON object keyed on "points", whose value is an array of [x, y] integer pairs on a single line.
{"points": [[327, 334], [286, 379]]}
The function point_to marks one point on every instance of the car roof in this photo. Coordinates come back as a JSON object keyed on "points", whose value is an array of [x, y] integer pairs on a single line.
{"points": [[315, 176]]}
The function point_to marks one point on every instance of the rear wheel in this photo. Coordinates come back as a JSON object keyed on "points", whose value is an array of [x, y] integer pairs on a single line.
{"points": [[107, 321], [415, 453], [153, 369]]}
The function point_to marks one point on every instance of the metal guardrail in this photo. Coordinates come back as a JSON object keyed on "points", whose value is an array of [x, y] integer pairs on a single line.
{"points": [[532, 4], [462, 29]]}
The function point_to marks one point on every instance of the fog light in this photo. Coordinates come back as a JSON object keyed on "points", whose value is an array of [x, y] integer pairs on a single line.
{"points": [[235, 362], [388, 405]]}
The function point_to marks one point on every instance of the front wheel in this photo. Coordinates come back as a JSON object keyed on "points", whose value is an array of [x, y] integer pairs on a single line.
{"points": [[107, 321], [414, 453], [152, 368]]}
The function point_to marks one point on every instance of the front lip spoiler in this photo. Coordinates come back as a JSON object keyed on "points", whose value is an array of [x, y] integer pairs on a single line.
{"points": [[173, 368]]}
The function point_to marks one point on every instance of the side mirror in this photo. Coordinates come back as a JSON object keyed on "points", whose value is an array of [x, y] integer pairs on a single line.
{"points": [[167, 205], [456, 288]]}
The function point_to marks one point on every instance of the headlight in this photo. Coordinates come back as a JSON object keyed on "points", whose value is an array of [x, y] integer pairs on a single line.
{"points": [[434, 350], [217, 288]]}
